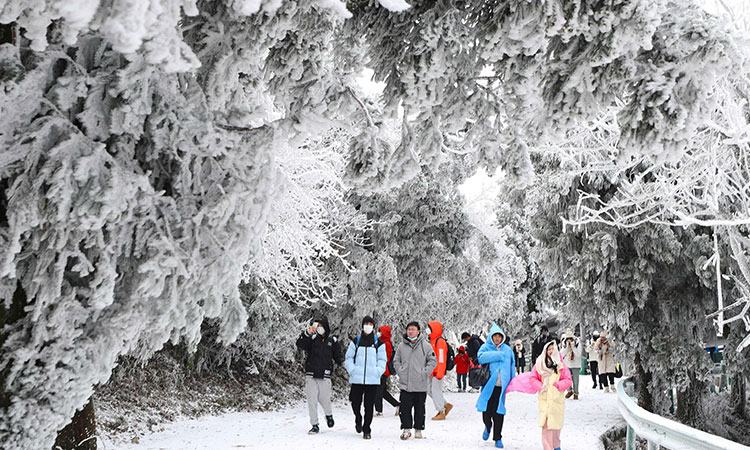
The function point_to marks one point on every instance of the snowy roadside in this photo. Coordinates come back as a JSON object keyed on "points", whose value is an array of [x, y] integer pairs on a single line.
{"points": [[585, 420]]}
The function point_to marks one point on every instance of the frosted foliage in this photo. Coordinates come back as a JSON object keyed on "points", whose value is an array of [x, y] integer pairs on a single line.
{"points": [[142, 194], [129, 25]]}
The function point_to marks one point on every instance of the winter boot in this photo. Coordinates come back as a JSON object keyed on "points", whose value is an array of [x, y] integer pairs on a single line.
{"points": [[366, 436], [575, 396], [485, 434], [448, 408], [439, 416], [614, 389], [314, 430], [418, 434], [405, 434], [329, 421], [594, 386], [358, 424], [569, 394], [499, 444], [606, 389]]}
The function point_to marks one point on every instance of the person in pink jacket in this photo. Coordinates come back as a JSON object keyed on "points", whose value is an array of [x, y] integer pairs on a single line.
{"points": [[549, 378]]}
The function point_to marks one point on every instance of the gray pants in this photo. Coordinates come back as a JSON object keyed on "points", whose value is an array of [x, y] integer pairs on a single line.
{"points": [[575, 373], [436, 393], [318, 391]]}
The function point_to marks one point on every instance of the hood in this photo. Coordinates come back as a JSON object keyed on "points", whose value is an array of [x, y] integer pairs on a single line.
{"points": [[494, 329], [385, 333], [324, 321], [436, 328], [555, 356], [461, 349]]}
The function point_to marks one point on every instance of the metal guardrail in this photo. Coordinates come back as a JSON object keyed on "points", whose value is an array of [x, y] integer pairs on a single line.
{"points": [[660, 431]]}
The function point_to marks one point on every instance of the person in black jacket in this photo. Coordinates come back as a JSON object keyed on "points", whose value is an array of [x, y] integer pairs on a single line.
{"points": [[473, 343], [539, 343], [322, 350]]}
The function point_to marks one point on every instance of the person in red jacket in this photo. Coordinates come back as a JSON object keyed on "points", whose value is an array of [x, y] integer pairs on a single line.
{"points": [[440, 346], [384, 335], [463, 362]]}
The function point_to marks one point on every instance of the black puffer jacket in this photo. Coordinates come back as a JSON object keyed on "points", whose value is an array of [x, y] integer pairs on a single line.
{"points": [[322, 351], [473, 346]]}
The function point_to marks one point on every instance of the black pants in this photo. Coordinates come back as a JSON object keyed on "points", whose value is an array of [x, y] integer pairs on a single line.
{"points": [[416, 401], [490, 415], [594, 370], [355, 396], [603, 379], [383, 393]]}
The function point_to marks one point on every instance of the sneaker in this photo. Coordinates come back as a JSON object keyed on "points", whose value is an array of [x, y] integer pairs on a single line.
{"points": [[614, 389], [418, 434], [314, 430], [485, 434], [569, 394], [405, 434], [575, 396], [329, 421], [448, 408], [366, 436], [499, 444], [606, 389], [439, 416], [378, 414]]}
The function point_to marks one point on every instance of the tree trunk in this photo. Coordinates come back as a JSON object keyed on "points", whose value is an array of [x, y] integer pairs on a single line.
{"points": [[690, 402], [80, 434], [738, 395], [643, 378]]}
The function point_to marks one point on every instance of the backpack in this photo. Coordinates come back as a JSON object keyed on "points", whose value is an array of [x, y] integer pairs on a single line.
{"points": [[450, 361]]}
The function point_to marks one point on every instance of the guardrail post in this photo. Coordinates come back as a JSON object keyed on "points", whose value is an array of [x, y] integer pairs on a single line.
{"points": [[630, 439]]}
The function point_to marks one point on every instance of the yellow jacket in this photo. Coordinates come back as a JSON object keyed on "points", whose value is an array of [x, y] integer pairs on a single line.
{"points": [[551, 395]]}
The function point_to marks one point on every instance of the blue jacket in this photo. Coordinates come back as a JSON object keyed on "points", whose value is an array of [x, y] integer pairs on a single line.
{"points": [[370, 362], [501, 362]]}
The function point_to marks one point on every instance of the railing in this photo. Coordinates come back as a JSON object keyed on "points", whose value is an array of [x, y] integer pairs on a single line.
{"points": [[659, 431]]}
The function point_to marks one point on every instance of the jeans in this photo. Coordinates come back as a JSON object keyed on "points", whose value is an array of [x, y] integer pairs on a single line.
{"points": [[461, 380], [355, 396], [409, 401], [383, 393], [575, 374], [491, 415]]}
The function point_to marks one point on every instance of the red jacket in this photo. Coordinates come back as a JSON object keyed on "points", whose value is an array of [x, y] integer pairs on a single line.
{"points": [[440, 347], [385, 338], [463, 362]]}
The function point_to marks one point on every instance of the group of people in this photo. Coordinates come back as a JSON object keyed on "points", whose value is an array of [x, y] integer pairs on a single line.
{"points": [[421, 360]]}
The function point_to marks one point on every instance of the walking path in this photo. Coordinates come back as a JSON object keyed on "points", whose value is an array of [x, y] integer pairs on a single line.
{"points": [[585, 420]]}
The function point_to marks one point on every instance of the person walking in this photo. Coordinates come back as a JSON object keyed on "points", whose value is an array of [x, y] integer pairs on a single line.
{"points": [[413, 361], [593, 356], [540, 342], [365, 361], [519, 352], [549, 378], [384, 335], [440, 346], [605, 352], [472, 344], [322, 350], [571, 354], [491, 401], [463, 362]]}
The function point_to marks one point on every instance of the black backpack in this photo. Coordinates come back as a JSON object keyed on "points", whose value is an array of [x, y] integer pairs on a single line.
{"points": [[450, 361]]}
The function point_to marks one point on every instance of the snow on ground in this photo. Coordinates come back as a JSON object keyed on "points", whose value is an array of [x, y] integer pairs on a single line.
{"points": [[585, 420]]}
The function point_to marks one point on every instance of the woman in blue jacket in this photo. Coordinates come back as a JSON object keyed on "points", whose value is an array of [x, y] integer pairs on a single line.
{"points": [[491, 402], [366, 360]]}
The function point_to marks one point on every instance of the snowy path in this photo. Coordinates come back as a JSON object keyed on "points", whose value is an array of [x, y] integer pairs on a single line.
{"points": [[585, 420]]}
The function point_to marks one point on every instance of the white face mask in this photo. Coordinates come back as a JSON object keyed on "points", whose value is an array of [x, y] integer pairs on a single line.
{"points": [[321, 331], [379, 334], [367, 328], [428, 330]]}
